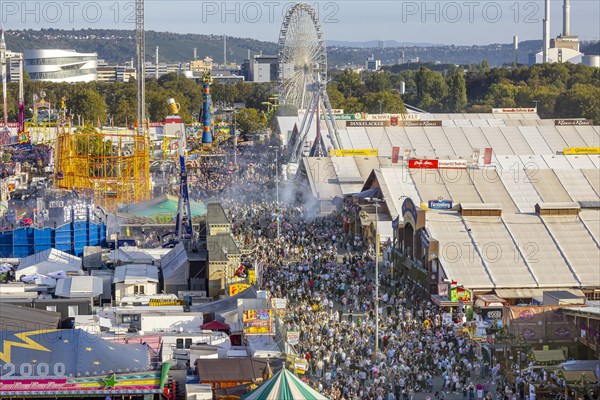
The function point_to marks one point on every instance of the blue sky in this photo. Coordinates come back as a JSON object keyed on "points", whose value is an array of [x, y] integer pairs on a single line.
{"points": [[449, 22]]}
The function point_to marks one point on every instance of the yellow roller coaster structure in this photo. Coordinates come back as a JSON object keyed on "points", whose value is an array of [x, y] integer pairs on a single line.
{"points": [[113, 164]]}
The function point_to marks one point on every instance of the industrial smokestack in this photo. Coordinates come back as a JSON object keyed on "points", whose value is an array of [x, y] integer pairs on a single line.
{"points": [[546, 32], [567, 18], [516, 49], [195, 53], [156, 74], [224, 49]]}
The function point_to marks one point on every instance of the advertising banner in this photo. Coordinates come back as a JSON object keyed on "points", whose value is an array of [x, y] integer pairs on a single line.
{"points": [[452, 164], [528, 110], [423, 164], [237, 288], [439, 204], [300, 365], [419, 123], [293, 337], [545, 323], [341, 117], [395, 154], [573, 122], [458, 293], [581, 150], [257, 322], [353, 152], [487, 156], [363, 123]]}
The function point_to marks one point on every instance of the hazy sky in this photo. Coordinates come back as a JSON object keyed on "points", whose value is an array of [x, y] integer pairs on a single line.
{"points": [[448, 22]]}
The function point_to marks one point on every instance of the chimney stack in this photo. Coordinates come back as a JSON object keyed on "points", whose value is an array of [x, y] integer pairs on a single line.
{"points": [[225, 50], [156, 62], [195, 53], [567, 18], [546, 32]]}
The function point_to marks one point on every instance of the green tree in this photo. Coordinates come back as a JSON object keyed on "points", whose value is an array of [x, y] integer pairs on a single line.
{"points": [[336, 98], [89, 104], [580, 101], [248, 121], [501, 95], [378, 82], [384, 102], [431, 90], [352, 105], [349, 84], [457, 91]]}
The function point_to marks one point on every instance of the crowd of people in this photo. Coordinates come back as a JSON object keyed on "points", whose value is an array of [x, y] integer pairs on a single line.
{"points": [[327, 274]]}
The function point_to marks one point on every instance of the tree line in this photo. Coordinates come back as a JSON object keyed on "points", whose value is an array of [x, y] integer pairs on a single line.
{"points": [[559, 91]]}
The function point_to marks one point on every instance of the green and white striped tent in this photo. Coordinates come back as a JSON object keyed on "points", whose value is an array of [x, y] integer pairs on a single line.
{"points": [[284, 386]]}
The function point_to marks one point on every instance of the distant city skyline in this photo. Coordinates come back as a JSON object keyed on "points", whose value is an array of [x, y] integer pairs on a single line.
{"points": [[440, 22]]}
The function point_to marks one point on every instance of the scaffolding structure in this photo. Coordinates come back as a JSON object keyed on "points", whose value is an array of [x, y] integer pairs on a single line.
{"points": [[113, 166]]}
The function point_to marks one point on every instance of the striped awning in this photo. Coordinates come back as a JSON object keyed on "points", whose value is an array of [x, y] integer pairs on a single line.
{"points": [[284, 386]]}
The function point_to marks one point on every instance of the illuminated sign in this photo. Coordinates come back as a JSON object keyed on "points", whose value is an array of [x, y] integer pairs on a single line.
{"points": [[581, 150], [353, 152]]}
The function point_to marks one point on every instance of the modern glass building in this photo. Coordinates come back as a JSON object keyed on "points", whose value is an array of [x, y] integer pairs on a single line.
{"points": [[61, 65]]}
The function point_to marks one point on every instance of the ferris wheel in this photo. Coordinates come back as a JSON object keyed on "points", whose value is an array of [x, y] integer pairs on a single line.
{"points": [[302, 54]]}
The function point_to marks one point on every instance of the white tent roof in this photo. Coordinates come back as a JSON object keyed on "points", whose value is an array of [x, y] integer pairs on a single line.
{"points": [[79, 286], [136, 273], [48, 261], [175, 265], [133, 255]]}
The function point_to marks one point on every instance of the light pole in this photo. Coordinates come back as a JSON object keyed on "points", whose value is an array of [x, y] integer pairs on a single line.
{"points": [[376, 203], [277, 189]]}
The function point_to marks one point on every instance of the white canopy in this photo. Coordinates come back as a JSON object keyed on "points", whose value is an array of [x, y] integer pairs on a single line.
{"points": [[136, 273], [175, 266], [48, 262], [79, 286]]}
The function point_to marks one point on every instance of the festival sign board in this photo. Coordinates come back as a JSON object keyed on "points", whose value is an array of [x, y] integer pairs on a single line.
{"points": [[581, 150], [257, 322], [353, 152], [423, 164], [367, 123], [487, 156], [439, 204], [293, 337], [526, 110], [395, 154], [573, 122], [452, 164], [421, 123], [237, 288]]}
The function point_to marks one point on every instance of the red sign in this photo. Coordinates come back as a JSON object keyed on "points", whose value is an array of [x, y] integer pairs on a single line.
{"points": [[487, 156], [26, 385], [173, 119], [395, 154], [423, 164]]}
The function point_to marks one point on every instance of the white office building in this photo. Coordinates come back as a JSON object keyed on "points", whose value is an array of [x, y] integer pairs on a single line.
{"points": [[60, 65]]}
